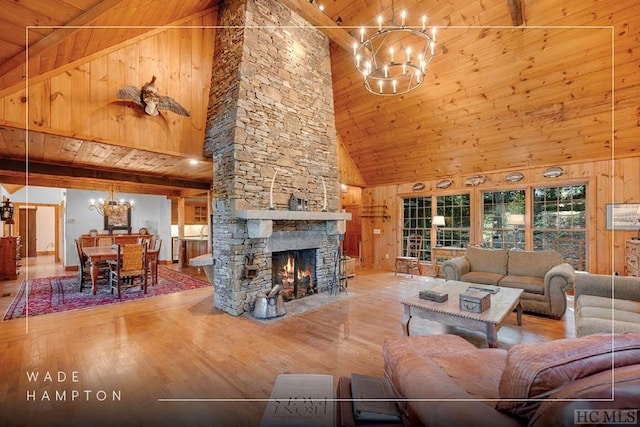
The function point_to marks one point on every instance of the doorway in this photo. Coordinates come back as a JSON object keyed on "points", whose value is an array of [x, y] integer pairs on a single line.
{"points": [[27, 231], [38, 225]]}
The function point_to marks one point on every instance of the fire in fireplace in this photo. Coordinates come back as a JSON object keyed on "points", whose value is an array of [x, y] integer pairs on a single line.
{"points": [[295, 271]]}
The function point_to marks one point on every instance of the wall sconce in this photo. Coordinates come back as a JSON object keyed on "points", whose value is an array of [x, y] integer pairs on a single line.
{"points": [[438, 221], [6, 211], [517, 220]]}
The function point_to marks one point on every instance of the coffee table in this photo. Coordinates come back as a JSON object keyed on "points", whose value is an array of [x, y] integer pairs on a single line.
{"points": [[449, 313]]}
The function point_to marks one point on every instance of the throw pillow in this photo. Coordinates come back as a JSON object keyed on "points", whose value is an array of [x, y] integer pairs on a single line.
{"points": [[537, 371]]}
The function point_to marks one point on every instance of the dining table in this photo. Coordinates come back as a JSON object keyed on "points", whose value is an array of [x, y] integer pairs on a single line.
{"points": [[97, 254]]}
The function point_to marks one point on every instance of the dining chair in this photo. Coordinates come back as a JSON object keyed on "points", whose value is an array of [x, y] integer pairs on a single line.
{"points": [[410, 261], [87, 241], [125, 239], [153, 256], [105, 241], [84, 269], [129, 269]]}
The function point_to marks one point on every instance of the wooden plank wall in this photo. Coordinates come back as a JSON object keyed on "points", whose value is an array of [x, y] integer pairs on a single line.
{"points": [[81, 100], [607, 182]]}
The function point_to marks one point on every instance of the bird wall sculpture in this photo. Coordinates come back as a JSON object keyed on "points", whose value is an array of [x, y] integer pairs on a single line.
{"points": [[148, 98]]}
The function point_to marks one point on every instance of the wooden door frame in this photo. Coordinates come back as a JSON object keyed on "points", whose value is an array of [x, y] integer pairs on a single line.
{"points": [[56, 214]]}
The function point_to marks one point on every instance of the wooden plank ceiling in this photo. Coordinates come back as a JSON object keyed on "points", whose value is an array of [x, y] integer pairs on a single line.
{"points": [[497, 96], [60, 34]]}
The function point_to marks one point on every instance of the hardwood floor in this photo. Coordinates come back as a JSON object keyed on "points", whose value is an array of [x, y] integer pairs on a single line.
{"points": [[175, 360]]}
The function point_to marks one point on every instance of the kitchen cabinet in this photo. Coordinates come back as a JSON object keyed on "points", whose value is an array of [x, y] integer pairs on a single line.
{"points": [[194, 213], [195, 247]]}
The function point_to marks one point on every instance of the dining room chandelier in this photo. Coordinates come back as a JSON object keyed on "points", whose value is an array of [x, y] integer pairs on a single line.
{"points": [[111, 206], [393, 60]]}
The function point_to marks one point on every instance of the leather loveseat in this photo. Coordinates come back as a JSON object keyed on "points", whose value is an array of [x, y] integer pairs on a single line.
{"points": [[542, 275], [443, 380], [596, 310]]}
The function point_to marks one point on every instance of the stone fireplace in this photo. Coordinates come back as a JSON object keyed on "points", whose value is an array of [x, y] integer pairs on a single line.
{"points": [[271, 133]]}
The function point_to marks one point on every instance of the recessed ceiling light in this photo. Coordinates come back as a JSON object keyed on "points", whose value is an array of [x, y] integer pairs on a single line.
{"points": [[193, 162]]}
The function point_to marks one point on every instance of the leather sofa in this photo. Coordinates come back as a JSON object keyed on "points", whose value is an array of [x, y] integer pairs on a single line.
{"points": [[443, 380], [542, 275], [595, 308]]}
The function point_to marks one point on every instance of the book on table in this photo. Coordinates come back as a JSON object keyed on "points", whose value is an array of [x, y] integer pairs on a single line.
{"points": [[301, 400], [373, 399]]}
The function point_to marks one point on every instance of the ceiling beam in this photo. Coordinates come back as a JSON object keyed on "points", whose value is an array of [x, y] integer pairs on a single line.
{"points": [[517, 12], [315, 17], [44, 169], [59, 35]]}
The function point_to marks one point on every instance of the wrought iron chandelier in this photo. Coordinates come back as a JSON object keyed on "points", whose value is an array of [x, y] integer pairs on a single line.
{"points": [[111, 206], [393, 60]]}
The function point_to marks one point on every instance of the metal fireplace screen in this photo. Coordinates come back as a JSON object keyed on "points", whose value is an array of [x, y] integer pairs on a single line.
{"points": [[295, 271]]}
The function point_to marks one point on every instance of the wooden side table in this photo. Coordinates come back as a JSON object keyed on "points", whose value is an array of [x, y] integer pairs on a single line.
{"points": [[444, 252]]}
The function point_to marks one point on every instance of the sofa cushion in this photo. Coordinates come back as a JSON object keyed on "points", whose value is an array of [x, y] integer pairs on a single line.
{"points": [[580, 395], [482, 277], [596, 314], [532, 263], [530, 284], [602, 308], [402, 355], [487, 260], [535, 372], [482, 383]]}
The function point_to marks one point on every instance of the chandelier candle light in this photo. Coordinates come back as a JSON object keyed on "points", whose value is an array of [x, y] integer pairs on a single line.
{"points": [[111, 206], [393, 60]]}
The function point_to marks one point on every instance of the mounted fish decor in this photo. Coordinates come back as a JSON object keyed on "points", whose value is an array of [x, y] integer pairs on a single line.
{"points": [[148, 98]]}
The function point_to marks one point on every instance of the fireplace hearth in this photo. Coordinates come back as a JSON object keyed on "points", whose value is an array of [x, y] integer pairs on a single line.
{"points": [[295, 271]]}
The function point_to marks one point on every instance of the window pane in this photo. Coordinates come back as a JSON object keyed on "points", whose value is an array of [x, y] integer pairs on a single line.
{"points": [[560, 222], [498, 206], [457, 217], [417, 220]]}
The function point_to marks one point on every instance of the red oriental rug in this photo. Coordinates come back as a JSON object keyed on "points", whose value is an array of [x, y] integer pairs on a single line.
{"points": [[62, 293]]}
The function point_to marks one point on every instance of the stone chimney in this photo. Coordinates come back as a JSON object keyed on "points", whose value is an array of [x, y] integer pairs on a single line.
{"points": [[270, 114]]}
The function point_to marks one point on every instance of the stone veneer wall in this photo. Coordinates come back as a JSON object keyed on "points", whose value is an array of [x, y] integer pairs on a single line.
{"points": [[270, 110]]}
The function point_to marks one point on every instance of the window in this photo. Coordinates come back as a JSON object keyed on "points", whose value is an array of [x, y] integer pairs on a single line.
{"points": [[417, 220], [456, 210], [560, 222], [497, 207]]}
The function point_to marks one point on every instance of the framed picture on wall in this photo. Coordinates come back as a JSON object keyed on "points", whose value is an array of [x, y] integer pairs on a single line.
{"points": [[623, 216], [118, 222]]}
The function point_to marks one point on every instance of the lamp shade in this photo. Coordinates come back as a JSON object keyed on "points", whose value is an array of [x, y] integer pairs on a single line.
{"points": [[438, 220], [516, 219]]}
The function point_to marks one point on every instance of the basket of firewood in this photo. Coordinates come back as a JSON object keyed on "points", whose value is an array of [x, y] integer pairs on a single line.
{"points": [[269, 305]]}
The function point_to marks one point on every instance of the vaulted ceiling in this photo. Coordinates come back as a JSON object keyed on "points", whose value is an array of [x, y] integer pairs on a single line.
{"points": [[514, 84]]}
